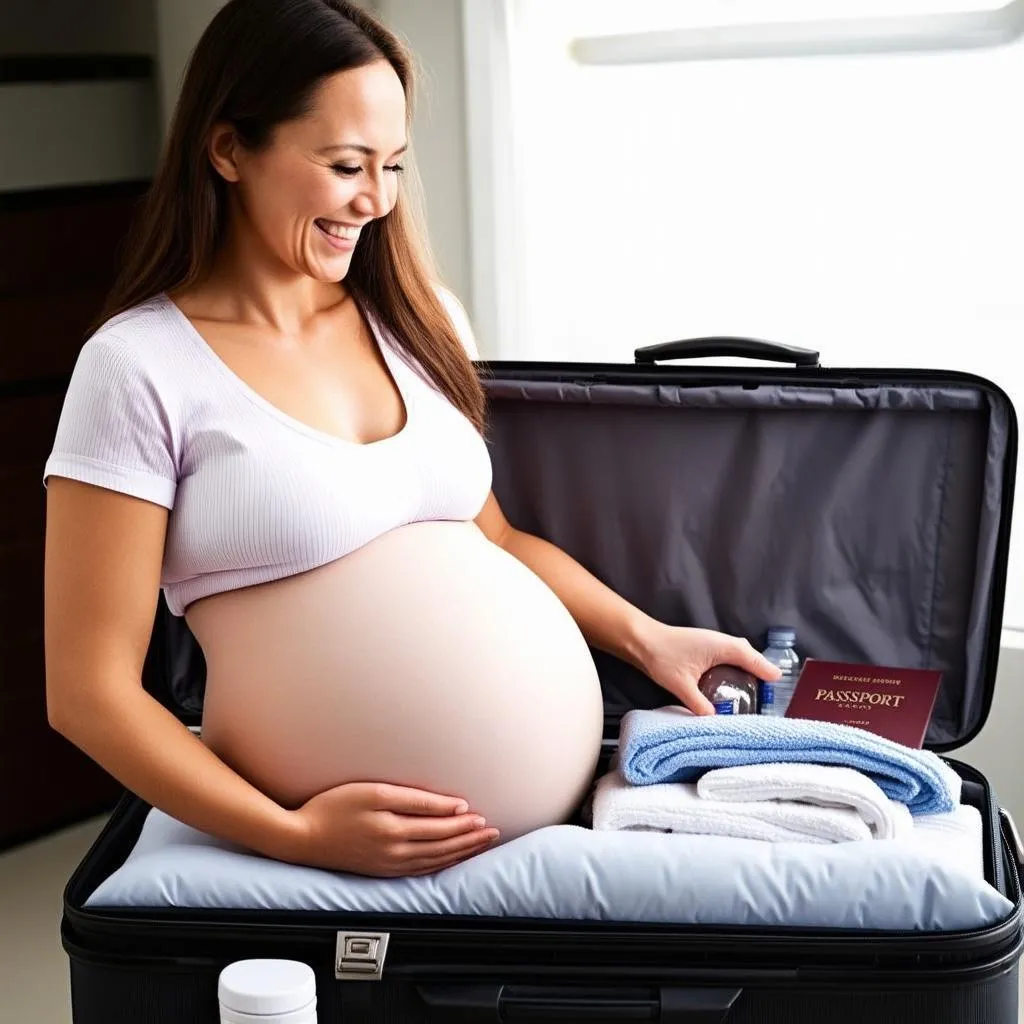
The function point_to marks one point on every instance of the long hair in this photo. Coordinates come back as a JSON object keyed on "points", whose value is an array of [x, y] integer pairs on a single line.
{"points": [[257, 65]]}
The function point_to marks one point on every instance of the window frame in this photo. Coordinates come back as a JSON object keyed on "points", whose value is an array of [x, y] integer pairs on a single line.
{"points": [[810, 37]]}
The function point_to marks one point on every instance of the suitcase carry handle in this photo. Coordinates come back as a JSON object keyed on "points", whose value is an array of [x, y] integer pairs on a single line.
{"points": [[472, 1002], [748, 348]]}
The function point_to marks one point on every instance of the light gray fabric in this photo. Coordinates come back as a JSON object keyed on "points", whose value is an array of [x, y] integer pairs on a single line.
{"points": [[928, 882], [866, 517]]}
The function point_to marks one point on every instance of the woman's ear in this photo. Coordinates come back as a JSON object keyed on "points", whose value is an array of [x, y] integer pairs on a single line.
{"points": [[223, 151]]}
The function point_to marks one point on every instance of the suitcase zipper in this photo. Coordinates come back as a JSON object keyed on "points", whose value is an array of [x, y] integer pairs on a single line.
{"points": [[1016, 844]]}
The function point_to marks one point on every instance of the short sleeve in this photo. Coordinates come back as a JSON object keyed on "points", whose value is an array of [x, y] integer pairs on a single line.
{"points": [[114, 428], [460, 321]]}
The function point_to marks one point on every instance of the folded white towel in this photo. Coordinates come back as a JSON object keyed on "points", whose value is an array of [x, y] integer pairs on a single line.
{"points": [[676, 807], [821, 785], [956, 837]]}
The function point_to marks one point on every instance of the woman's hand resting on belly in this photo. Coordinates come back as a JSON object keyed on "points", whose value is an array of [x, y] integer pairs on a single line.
{"points": [[386, 831]]}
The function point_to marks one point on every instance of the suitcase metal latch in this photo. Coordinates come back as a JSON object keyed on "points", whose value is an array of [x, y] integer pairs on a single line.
{"points": [[359, 956]]}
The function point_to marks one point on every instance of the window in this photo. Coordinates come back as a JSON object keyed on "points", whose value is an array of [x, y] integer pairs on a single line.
{"points": [[868, 206], [816, 18]]}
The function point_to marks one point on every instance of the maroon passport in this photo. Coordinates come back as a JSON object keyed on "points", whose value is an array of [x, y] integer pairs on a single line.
{"points": [[895, 703]]}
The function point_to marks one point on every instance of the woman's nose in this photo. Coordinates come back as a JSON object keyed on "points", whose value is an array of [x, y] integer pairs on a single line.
{"points": [[372, 200]]}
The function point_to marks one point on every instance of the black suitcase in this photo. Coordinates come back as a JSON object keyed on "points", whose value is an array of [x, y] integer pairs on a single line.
{"points": [[782, 472]]}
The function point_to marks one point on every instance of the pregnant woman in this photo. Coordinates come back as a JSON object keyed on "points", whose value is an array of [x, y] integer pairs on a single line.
{"points": [[277, 422]]}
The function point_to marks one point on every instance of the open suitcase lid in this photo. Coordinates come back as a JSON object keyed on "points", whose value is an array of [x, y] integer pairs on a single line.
{"points": [[869, 509]]}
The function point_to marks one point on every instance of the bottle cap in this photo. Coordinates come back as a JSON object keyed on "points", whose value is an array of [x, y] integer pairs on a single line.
{"points": [[781, 634], [265, 987]]}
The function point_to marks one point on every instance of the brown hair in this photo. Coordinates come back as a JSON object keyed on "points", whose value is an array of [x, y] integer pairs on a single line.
{"points": [[258, 64]]}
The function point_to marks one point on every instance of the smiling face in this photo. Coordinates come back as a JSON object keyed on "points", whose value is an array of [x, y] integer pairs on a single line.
{"points": [[304, 198]]}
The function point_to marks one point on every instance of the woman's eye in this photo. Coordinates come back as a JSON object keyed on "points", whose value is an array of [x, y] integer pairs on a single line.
{"points": [[348, 172]]}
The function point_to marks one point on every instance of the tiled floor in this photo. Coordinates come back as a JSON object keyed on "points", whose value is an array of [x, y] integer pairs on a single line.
{"points": [[33, 966]]}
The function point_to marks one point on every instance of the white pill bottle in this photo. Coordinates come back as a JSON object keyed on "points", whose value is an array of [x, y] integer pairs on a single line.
{"points": [[267, 992]]}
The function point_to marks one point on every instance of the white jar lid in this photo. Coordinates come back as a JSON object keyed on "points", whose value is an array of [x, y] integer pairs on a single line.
{"points": [[263, 987]]}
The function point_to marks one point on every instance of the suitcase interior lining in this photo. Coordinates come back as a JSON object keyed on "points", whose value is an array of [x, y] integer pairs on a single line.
{"points": [[867, 517]]}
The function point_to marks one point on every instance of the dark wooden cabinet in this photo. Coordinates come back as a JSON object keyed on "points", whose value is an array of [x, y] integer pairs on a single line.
{"points": [[58, 257]]}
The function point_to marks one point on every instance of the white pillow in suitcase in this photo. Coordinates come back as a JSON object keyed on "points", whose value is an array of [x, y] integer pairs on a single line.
{"points": [[931, 882]]}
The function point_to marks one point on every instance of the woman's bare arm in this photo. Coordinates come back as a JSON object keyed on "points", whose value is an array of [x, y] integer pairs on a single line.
{"points": [[102, 573]]}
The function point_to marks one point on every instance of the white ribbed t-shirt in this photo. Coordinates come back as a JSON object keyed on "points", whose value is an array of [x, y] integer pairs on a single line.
{"points": [[254, 494]]}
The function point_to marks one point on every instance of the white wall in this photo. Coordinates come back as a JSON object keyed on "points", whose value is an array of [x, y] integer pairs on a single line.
{"points": [[76, 133], [179, 24], [434, 33]]}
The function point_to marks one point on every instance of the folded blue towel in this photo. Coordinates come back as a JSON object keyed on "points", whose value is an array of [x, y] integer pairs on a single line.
{"points": [[672, 745]]}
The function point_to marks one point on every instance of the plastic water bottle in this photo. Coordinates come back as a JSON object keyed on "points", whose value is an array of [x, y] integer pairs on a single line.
{"points": [[775, 697], [267, 992]]}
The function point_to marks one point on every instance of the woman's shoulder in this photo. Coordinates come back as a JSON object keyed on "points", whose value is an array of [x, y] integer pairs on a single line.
{"points": [[140, 340], [143, 324], [459, 318], [137, 365], [121, 420]]}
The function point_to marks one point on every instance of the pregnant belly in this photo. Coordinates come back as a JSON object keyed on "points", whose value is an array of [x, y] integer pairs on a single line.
{"points": [[429, 657]]}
